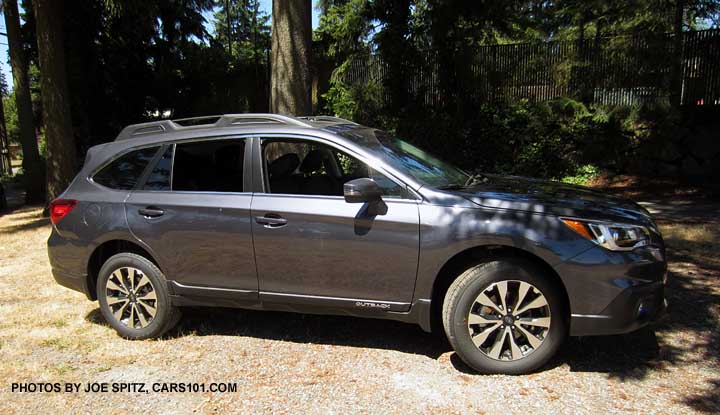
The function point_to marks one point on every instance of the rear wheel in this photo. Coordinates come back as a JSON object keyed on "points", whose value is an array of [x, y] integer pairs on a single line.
{"points": [[134, 298], [504, 316]]}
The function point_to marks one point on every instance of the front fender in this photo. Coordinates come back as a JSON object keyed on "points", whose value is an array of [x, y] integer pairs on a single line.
{"points": [[447, 231]]}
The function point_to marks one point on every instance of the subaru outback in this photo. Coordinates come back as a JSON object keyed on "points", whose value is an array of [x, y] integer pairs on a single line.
{"points": [[322, 215]]}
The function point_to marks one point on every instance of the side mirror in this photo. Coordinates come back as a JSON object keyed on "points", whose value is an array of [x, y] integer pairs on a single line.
{"points": [[361, 191]]}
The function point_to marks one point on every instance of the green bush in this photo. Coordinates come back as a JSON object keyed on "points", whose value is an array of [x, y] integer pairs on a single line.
{"points": [[583, 175], [360, 103]]}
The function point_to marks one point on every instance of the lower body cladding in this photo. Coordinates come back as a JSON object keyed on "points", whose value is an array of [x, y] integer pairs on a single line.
{"points": [[417, 312], [600, 305], [630, 310], [628, 304]]}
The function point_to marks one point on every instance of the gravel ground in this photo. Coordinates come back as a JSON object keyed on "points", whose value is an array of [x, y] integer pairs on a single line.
{"points": [[291, 363]]}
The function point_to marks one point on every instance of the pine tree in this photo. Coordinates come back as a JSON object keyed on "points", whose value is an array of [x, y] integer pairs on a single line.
{"points": [[32, 163], [290, 84]]}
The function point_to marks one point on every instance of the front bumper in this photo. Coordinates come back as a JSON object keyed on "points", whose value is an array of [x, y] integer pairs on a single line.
{"points": [[634, 308], [614, 292]]}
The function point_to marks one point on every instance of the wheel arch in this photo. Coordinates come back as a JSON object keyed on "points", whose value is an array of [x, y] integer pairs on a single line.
{"points": [[105, 250], [469, 257]]}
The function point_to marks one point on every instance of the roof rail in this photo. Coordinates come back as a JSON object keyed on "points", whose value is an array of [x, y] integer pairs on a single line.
{"points": [[166, 126], [327, 118], [239, 119], [154, 127], [192, 121]]}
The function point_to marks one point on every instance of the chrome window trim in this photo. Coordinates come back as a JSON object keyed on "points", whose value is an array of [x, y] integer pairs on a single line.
{"points": [[325, 197], [193, 192]]}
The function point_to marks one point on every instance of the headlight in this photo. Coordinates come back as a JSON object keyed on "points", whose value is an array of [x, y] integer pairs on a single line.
{"points": [[613, 236]]}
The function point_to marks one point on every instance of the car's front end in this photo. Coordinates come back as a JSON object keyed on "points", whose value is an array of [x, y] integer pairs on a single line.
{"points": [[619, 285], [616, 271]]}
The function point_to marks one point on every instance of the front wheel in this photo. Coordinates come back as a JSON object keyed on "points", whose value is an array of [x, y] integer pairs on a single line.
{"points": [[504, 316], [134, 298]]}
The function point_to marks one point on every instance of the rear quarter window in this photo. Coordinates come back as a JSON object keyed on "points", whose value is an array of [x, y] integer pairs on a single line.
{"points": [[160, 177], [124, 172]]}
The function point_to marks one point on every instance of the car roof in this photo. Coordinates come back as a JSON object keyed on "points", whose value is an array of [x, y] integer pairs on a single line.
{"points": [[155, 131]]}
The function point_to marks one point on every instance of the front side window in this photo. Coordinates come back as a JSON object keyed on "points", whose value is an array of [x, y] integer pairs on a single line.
{"points": [[309, 168], [124, 172], [209, 166]]}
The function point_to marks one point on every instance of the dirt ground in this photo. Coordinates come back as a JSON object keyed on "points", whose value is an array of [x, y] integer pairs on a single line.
{"points": [[291, 363]]}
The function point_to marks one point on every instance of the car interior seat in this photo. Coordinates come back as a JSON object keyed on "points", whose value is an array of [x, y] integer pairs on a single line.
{"points": [[319, 182], [282, 178]]}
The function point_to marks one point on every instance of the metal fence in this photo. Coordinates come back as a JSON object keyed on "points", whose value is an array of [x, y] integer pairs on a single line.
{"points": [[621, 70]]}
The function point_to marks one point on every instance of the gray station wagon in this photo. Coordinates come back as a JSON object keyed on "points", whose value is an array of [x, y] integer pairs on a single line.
{"points": [[322, 215]]}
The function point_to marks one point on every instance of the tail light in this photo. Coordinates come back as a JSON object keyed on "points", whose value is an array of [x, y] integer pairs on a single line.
{"points": [[59, 208]]}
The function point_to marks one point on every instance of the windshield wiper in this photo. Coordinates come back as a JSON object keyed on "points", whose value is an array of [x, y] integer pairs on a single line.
{"points": [[476, 178], [451, 187], [473, 179]]}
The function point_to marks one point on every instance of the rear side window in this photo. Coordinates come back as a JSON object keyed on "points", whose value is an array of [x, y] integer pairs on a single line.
{"points": [[159, 178], [209, 166], [123, 173]]}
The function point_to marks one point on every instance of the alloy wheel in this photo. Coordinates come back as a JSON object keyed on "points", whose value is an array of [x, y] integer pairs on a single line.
{"points": [[509, 320], [131, 297]]}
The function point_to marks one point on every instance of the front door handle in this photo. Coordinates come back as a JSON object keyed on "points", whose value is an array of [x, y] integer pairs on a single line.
{"points": [[271, 221], [151, 212]]}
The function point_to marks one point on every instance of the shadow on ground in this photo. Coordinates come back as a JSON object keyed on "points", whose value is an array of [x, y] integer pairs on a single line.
{"points": [[668, 199], [28, 225], [14, 196], [594, 354], [304, 328]]}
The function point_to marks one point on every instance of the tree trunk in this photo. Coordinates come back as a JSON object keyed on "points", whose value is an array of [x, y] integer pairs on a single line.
{"points": [[677, 59], [256, 60], [580, 74], [5, 162], [393, 48], [32, 163], [290, 87], [61, 157], [229, 27]]}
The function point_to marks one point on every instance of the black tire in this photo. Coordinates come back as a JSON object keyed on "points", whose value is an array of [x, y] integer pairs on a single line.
{"points": [[166, 315], [460, 299]]}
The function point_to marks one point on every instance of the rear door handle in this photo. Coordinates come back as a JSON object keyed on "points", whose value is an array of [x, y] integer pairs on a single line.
{"points": [[151, 212], [271, 221]]}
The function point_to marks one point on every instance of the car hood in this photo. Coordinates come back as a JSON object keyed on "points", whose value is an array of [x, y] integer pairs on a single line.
{"points": [[554, 198]]}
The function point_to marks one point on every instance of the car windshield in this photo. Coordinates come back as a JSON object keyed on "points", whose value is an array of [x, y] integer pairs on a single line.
{"points": [[407, 158]]}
